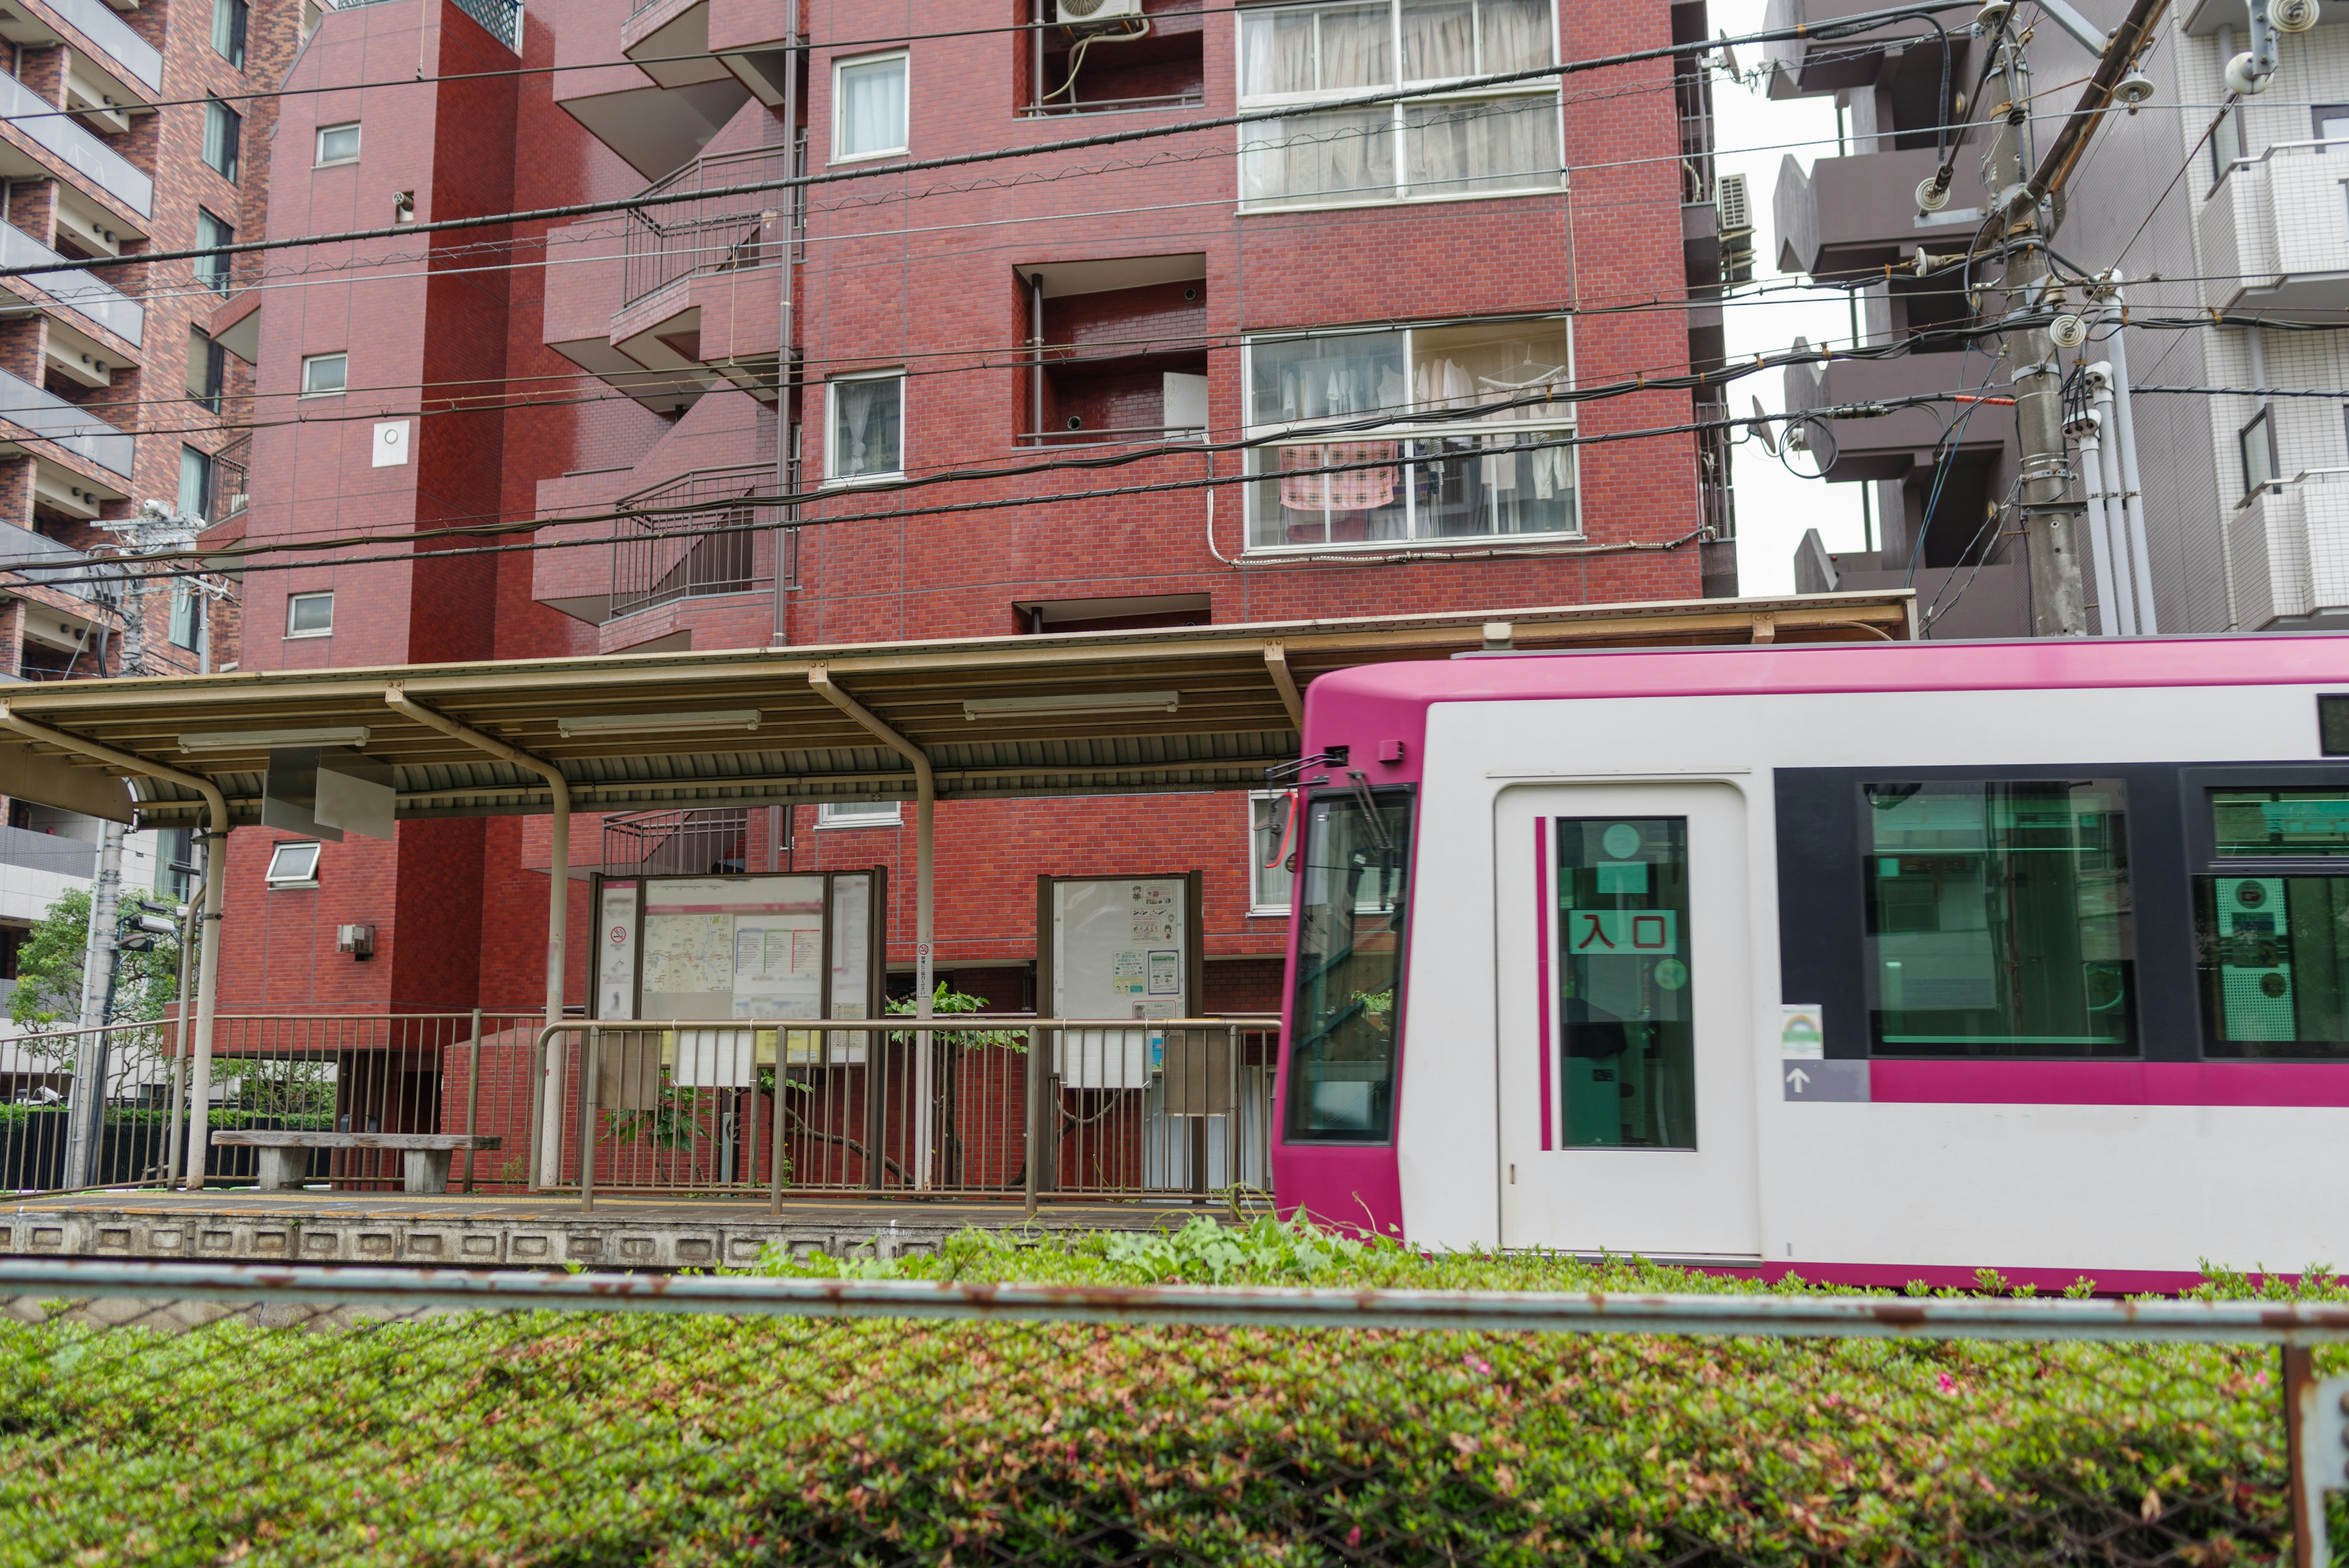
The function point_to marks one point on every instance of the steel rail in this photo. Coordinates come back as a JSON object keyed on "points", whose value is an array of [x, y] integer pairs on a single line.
{"points": [[1833, 1317]]}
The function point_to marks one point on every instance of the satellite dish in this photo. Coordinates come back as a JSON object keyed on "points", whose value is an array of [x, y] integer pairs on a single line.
{"points": [[1763, 431]]}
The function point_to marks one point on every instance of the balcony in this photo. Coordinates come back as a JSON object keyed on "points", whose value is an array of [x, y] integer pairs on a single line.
{"points": [[1882, 448], [96, 20], [1856, 213], [2289, 548], [75, 289], [77, 149], [25, 545], [59, 425], [2275, 234]]}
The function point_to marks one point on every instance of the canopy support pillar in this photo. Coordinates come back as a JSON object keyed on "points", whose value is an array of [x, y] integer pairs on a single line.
{"points": [[1275, 663], [926, 800], [558, 908], [200, 1085]]}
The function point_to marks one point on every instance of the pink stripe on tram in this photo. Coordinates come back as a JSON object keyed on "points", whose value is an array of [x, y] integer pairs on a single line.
{"points": [[1541, 964], [2280, 1083]]}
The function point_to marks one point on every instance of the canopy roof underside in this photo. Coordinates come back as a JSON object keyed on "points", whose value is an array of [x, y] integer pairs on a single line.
{"points": [[1186, 709]]}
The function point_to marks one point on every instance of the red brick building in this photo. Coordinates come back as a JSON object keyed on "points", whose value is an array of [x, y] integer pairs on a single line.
{"points": [[988, 400]]}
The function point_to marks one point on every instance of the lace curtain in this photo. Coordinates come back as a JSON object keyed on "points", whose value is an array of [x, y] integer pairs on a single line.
{"points": [[865, 426], [871, 107]]}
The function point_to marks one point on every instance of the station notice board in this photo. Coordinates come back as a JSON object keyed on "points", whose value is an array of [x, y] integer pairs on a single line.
{"points": [[755, 948], [1118, 947]]}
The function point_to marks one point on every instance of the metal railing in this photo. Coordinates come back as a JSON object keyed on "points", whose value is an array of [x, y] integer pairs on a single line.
{"points": [[666, 243], [424, 1072], [26, 545], [1041, 1407], [231, 479], [74, 289], [695, 536], [32, 116], [64, 425], [703, 842], [992, 1105]]}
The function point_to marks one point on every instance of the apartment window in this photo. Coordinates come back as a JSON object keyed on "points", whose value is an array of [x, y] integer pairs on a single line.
{"points": [[339, 144], [175, 863], [2256, 441], [310, 615], [1401, 466], [207, 369], [1482, 142], [2226, 145], [858, 813], [195, 480], [868, 107], [213, 230], [293, 865], [187, 617], [868, 417], [1271, 851], [229, 19], [2331, 121], [324, 374], [223, 137]]}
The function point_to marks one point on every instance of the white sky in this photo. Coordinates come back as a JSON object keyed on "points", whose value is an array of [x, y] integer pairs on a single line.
{"points": [[1773, 507]]}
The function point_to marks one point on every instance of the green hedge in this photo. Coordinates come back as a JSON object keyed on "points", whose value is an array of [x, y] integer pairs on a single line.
{"points": [[577, 1438]]}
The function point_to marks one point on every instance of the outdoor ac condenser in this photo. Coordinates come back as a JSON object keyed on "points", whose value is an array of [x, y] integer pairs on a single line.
{"points": [[1072, 11]]}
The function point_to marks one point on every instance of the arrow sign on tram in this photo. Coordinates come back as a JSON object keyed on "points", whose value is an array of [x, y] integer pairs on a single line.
{"points": [[1814, 1081]]}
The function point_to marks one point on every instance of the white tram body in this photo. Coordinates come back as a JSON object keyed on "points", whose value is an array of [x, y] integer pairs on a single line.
{"points": [[1870, 964]]}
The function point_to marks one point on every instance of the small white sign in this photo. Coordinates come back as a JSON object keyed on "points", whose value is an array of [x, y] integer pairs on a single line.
{"points": [[1802, 1030], [390, 444]]}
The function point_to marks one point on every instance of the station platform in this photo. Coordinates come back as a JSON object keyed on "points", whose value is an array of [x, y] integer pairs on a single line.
{"points": [[233, 1225]]}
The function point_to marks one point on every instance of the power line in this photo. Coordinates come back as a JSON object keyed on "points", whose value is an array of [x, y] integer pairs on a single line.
{"points": [[1860, 23]]}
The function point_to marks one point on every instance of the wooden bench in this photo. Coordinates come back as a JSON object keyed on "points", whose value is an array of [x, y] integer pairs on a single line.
{"points": [[285, 1153]]}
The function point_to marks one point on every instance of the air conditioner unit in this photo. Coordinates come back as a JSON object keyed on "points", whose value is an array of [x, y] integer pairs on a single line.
{"points": [[1736, 209], [1076, 11]]}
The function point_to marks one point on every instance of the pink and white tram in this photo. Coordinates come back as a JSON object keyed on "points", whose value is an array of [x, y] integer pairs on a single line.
{"points": [[1872, 963]]}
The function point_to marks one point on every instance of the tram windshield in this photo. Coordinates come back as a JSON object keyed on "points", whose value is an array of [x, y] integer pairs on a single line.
{"points": [[1350, 895]]}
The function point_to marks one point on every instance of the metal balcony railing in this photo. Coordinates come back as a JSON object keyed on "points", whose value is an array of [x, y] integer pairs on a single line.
{"points": [[699, 843], [75, 289], [231, 479], [18, 544], [96, 20], [678, 239], [32, 116], [696, 536], [63, 424]]}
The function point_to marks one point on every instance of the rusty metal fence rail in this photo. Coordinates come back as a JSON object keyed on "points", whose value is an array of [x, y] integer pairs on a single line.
{"points": [[303, 1416], [992, 1105]]}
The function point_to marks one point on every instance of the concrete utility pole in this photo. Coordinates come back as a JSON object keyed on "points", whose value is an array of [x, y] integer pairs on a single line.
{"points": [[2050, 518]]}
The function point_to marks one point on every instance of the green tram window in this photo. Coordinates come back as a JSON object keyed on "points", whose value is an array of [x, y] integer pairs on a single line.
{"points": [[1999, 917], [1627, 1034]]}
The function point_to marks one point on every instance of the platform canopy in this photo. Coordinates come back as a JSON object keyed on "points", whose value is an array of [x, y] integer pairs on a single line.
{"points": [[1183, 708]]}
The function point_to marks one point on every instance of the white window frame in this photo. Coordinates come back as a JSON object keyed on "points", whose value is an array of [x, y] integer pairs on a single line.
{"points": [[309, 360], [832, 430], [1402, 432], [1400, 192], [293, 600], [289, 868], [839, 100], [831, 814], [322, 160], [1257, 906]]}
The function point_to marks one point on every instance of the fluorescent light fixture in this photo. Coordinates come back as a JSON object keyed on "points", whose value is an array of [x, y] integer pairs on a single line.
{"points": [[1073, 703], [262, 740], [659, 723]]}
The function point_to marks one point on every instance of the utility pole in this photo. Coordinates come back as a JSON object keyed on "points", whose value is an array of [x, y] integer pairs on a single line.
{"points": [[154, 527], [2050, 518]]}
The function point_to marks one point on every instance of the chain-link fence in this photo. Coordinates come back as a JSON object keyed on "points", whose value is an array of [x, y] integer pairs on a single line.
{"points": [[175, 1413]]}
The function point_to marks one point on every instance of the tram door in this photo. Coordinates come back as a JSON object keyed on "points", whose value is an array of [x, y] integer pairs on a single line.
{"points": [[1627, 1046]]}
